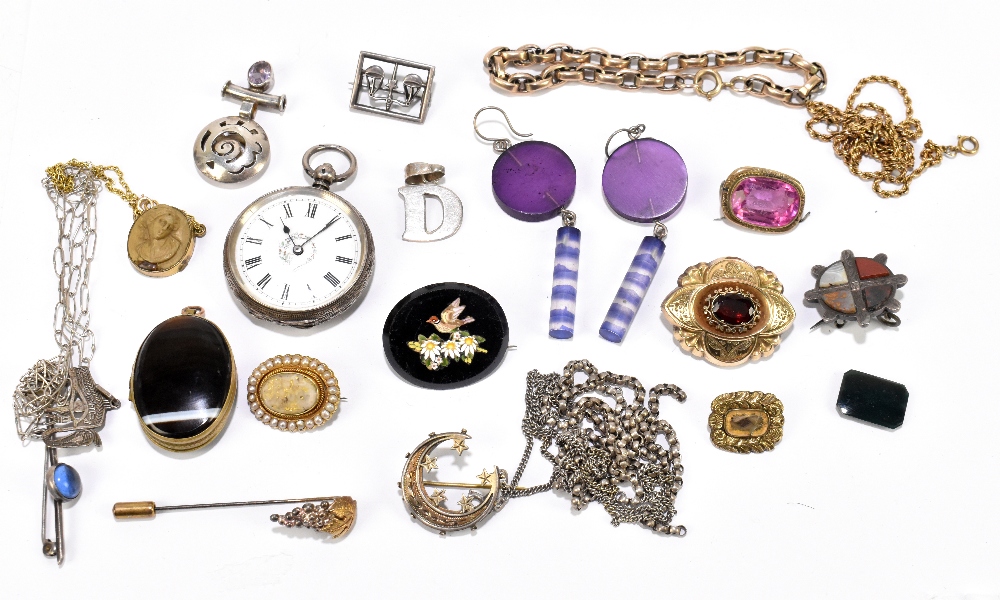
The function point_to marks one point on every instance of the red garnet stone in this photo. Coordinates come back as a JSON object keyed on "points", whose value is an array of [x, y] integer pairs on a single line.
{"points": [[734, 309]]}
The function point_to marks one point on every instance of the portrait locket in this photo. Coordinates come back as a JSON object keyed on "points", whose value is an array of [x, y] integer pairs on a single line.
{"points": [[161, 241]]}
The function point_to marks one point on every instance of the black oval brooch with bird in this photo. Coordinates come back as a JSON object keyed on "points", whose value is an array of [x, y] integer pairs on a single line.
{"points": [[445, 335]]}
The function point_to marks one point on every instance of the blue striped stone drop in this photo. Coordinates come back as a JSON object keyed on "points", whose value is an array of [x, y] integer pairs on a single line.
{"points": [[563, 311], [633, 289]]}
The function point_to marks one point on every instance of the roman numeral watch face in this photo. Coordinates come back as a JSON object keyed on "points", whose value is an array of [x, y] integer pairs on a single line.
{"points": [[300, 255]]}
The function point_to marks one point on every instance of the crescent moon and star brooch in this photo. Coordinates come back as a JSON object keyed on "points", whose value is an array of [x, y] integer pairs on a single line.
{"points": [[618, 461]]}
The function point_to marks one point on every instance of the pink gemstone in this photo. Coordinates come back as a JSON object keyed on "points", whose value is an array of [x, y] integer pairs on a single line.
{"points": [[765, 202], [259, 74]]}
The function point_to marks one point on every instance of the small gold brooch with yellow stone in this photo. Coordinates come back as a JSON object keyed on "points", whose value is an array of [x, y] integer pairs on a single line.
{"points": [[746, 422]]}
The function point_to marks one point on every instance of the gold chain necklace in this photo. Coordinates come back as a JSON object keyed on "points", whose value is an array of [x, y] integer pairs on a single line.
{"points": [[159, 243], [854, 135]]}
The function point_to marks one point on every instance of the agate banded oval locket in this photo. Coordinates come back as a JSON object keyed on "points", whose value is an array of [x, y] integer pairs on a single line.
{"points": [[183, 382]]}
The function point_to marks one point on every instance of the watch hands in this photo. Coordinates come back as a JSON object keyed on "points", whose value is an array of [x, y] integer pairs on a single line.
{"points": [[325, 227], [296, 248]]}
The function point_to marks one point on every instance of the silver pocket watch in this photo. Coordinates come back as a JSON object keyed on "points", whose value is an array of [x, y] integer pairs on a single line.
{"points": [[301, 255]]}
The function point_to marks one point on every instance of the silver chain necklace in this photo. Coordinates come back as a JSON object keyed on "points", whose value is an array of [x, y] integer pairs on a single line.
{"points": [[596, 449], [57, 401], [601, 446]]}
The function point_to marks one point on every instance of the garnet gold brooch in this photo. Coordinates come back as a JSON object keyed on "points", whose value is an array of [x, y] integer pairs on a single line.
{"points": [[728, 311]]}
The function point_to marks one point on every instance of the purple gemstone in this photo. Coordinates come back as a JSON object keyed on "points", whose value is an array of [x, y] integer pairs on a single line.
{"points": [[259, 74], [645, 180], [765, 202], [534, 181]]}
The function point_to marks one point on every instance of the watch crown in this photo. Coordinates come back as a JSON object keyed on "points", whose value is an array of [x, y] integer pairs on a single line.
{"points": [[324, 176]]}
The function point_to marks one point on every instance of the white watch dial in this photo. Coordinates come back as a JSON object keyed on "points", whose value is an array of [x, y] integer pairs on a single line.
{"points": [[297, 252]]}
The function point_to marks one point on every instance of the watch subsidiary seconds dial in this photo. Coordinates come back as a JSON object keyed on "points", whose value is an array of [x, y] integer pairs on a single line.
{"points": [[301, 255]]}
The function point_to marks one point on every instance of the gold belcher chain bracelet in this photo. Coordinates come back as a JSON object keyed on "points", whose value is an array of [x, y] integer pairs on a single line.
{"points": [[854, 135]]}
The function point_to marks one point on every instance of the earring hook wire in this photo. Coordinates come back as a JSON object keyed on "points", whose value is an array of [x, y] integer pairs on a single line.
{"points": [[499, 144]]}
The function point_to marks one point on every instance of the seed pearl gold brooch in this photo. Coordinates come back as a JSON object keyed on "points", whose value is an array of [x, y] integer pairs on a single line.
{"points": [[293, 393], [728, 311]]}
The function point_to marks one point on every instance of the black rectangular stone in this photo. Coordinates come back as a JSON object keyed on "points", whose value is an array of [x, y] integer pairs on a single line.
{"points": [[872, 399]]}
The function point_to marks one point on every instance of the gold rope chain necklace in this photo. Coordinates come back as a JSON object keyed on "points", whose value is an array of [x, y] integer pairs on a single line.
{"points": [[853, 133]]}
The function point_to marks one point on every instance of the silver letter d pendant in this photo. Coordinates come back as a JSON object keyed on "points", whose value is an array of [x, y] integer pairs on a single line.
{"points": [[420, 178]]}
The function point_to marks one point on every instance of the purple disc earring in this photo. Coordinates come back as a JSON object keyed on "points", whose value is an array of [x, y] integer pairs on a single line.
{"points": [[535, 181], [644, 181]]}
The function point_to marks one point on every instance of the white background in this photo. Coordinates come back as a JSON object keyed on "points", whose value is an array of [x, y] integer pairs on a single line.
{"points": [[840, 509]]}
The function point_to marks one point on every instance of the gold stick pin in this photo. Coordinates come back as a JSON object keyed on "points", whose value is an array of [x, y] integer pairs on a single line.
{"points": [[334, 514]]}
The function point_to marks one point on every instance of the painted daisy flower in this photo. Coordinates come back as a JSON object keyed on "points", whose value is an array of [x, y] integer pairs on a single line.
{"points": [[451, 348], [468, 343], [430, 350]]}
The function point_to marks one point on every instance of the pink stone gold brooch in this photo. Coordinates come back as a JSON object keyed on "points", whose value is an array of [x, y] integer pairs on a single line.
{"points": [[762, 199], [728, 311], [856, 289], [746, 422], [293, 393]]}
